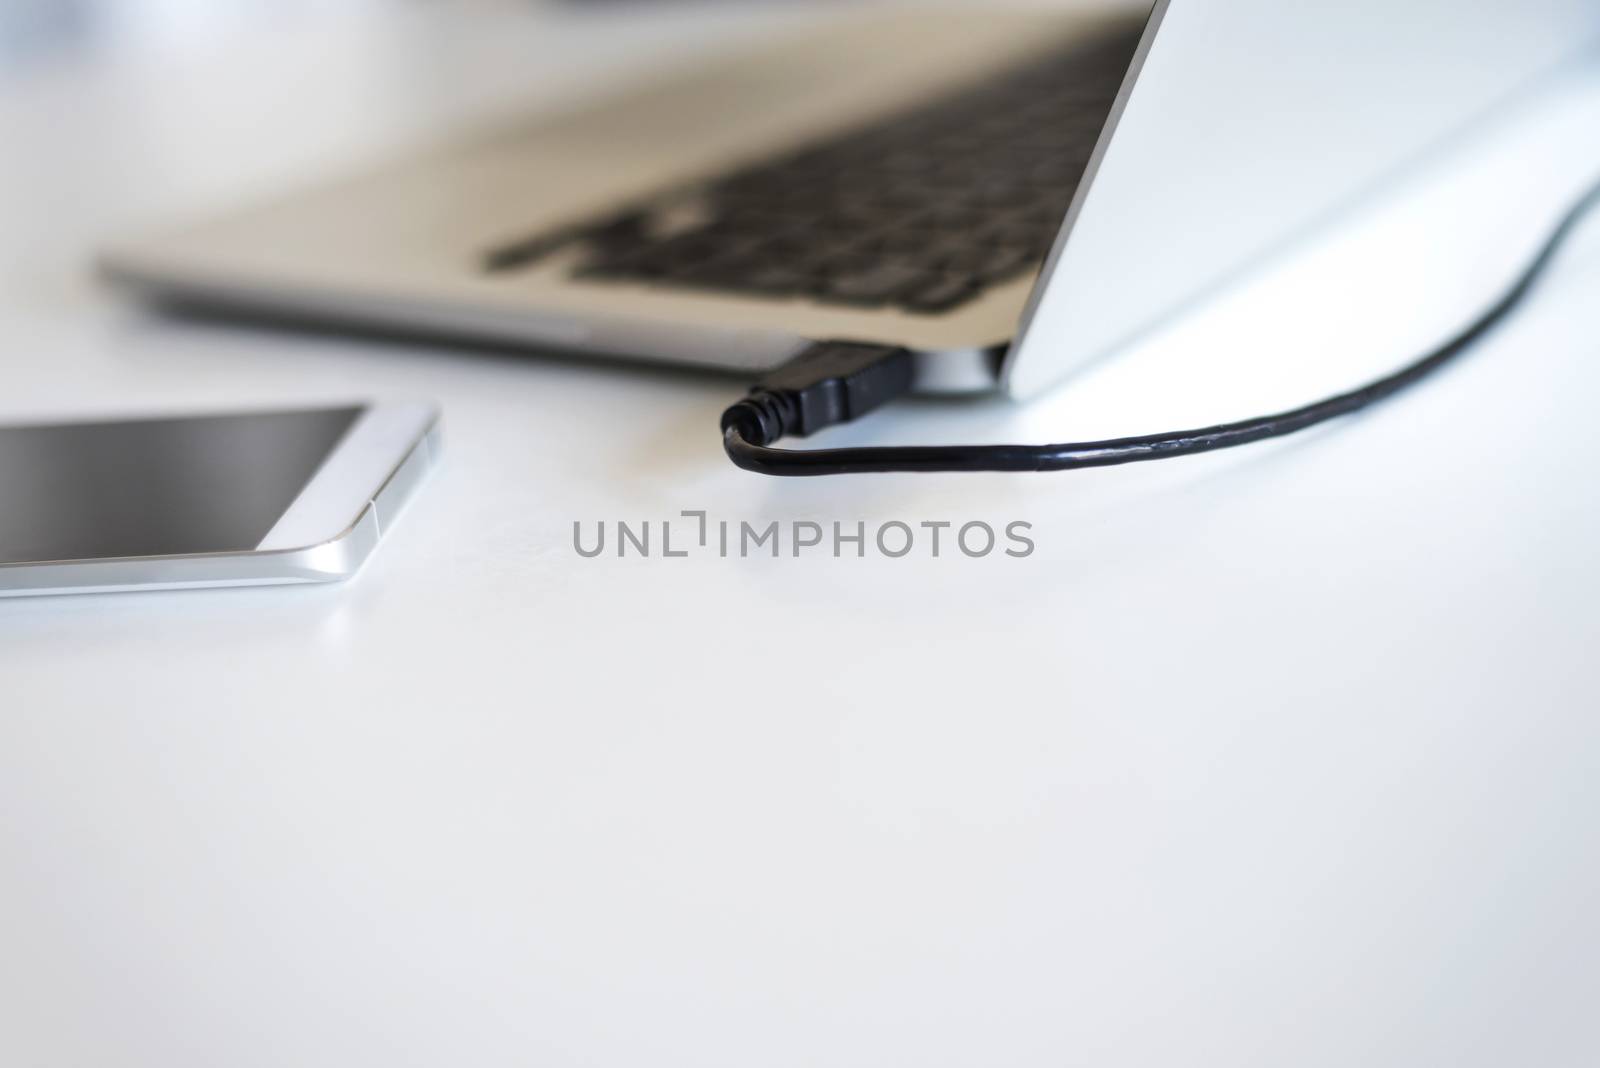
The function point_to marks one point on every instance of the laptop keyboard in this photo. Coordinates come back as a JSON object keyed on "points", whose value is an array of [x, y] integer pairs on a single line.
{"points": [[922, 211]]}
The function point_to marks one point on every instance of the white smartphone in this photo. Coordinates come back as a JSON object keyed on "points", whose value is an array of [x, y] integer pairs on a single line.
{"points": [[178, 502]]}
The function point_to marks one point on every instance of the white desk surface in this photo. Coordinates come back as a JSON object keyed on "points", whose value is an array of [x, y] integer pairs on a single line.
{"points": [[1285, 756]]}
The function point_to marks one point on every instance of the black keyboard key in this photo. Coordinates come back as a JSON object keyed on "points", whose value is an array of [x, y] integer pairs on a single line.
{"points": [[1000, 262], [877, 284], [522, 253], [776, 280], [941, 293], [620, 230]]}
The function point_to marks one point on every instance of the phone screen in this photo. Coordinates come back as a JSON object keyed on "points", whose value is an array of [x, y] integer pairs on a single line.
{"points": [[157, 487]]}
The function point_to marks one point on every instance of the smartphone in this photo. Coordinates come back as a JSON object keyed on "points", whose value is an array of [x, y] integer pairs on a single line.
{"points": [[178, 502]]}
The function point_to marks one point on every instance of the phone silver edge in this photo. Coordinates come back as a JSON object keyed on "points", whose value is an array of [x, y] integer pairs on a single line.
{"points": [[329, 559]]}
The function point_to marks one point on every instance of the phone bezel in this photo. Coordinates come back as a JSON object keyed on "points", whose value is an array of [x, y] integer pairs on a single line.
{"points": [[351, 476], [338, 519]]}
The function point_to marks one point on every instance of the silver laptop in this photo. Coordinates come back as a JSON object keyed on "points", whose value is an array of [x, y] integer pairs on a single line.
{"points": [[1010, 195]]}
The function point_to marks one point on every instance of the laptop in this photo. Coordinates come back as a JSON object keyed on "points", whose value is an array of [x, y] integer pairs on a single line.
{"points": [[1010, 195]]}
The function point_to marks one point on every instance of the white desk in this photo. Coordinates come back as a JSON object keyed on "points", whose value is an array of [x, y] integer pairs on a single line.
{"points": [[1286, 756]]}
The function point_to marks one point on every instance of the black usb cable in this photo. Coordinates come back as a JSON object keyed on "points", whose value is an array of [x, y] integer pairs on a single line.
{"points": [[835, 382]]}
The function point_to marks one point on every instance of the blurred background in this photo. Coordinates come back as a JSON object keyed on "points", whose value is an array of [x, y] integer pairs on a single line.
{"points": [[197, 105], [31, 30]]}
